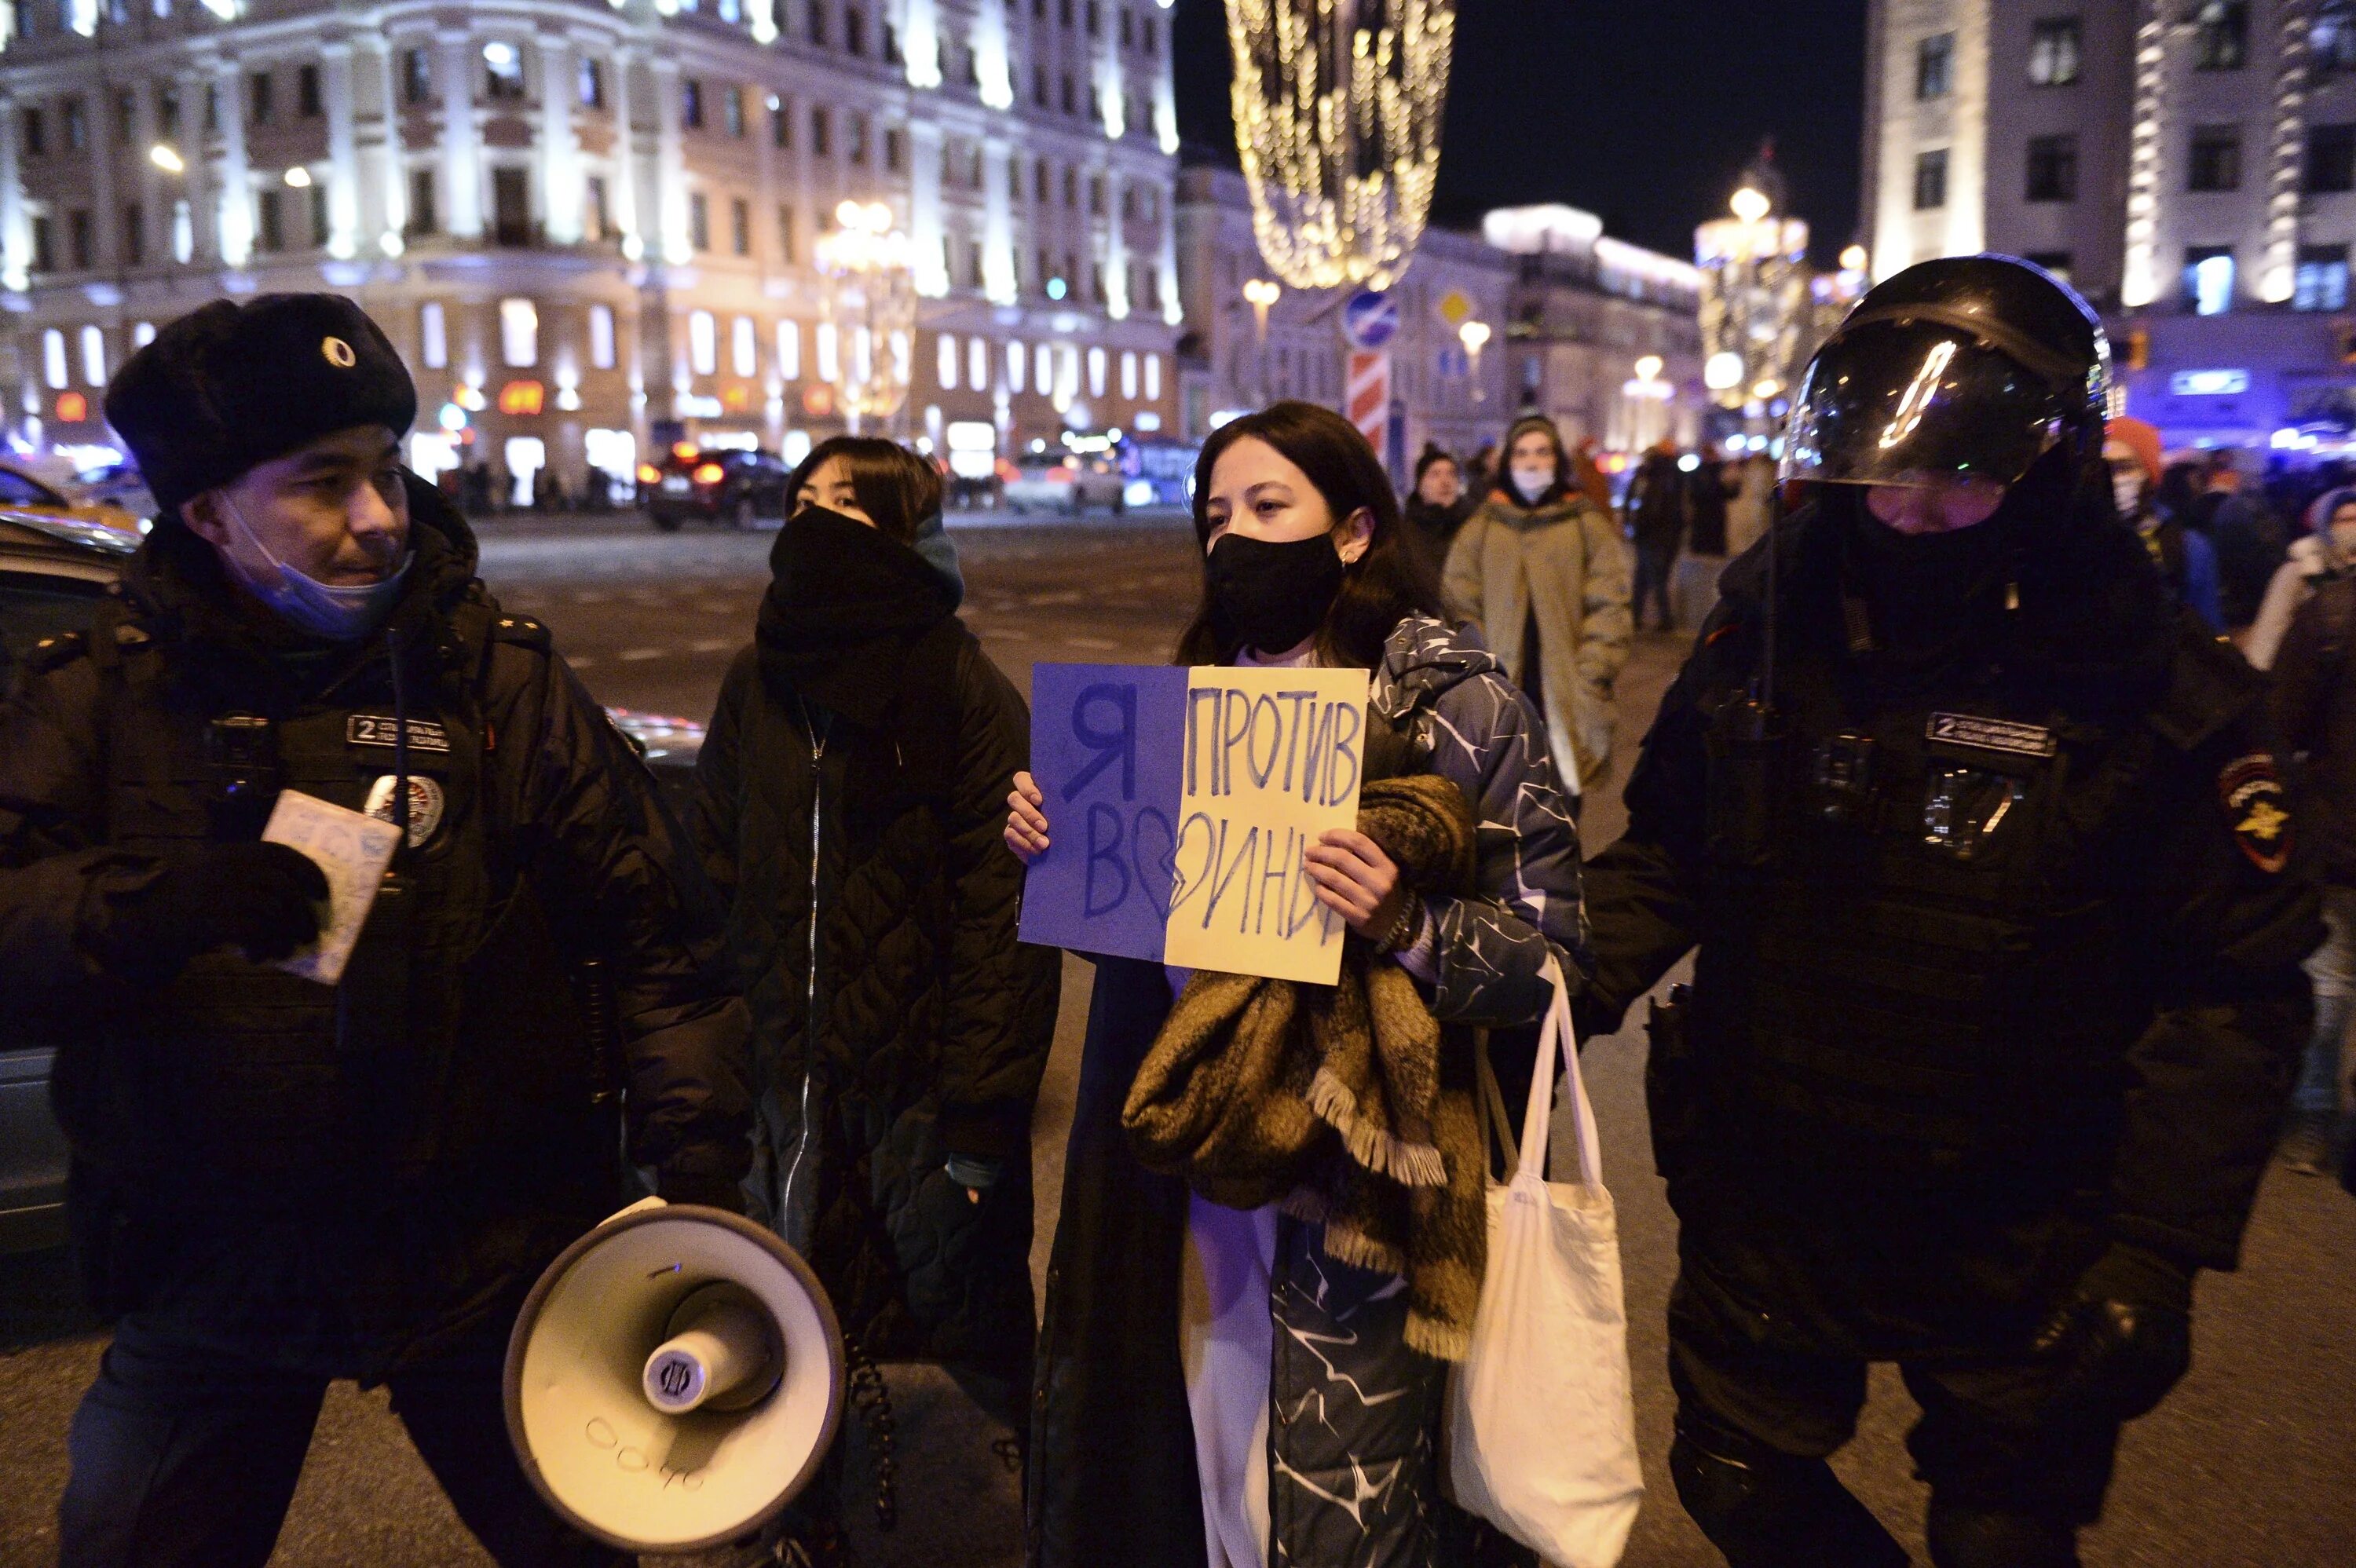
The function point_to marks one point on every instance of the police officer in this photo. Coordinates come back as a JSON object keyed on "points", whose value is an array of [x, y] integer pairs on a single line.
{"points": [[278, 1182], [1983, 852]]}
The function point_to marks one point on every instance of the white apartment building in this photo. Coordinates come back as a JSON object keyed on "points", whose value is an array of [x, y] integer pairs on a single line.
{"points": [[590, 226], [2190, 164]]}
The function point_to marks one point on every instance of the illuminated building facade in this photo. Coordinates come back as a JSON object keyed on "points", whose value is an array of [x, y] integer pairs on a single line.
{"points": [[2189, 164], [591, 225]]}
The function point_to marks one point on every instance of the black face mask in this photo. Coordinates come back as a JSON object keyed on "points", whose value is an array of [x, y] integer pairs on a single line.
{"points": [[1930, 592], [1271, 597]]}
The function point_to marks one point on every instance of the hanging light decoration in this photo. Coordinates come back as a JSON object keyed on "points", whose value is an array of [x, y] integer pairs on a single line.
{"points": [[869, 307], [1337, 107]]}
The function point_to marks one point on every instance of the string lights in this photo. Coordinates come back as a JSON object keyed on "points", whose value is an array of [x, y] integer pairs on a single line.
{"points": [[1337, 108]]}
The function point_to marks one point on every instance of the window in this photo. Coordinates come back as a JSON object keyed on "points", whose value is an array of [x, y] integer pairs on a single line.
{"points": [[502, 71], [1129, 367], [2331, 159], [53, 360], [1014, 365], [1095, 22], [1153, 378], [433, 336], [184, 231], [44, 255], [703, 343], [126, 116], [818, 23], [781, 123], [511, 207], [167, 112], [2056, 263], [1096, 195], [975, 276], [1931, 180], [743, 346], [1039, 85], [740, 230], [854, 137], [786, 234], [519, 333], [2216, 160], [1071, 99], [601, 336], [318, 205], [257, 97], [691, 104], [2053, 168], [2321, 281], [820, 131], [416, 77], [93, 356], [2332, 39], [789, 350], [948, 371], [854, 29], [597, 222], [2209, 278], [1128, 29], [270, 221], [2221, 35], [77, 126], [36, 135], [977, 363], [306, 92], [731, 106], [2054, 50], [1071, 186], [1934, 67], [895, 149], [422, 219], [593, 84], [212, 107], [79, 245]]}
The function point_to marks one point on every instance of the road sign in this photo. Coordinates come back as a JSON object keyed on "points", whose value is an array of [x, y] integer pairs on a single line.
{"points": [[1455, 308], [1370, 320], [1369, 395]]}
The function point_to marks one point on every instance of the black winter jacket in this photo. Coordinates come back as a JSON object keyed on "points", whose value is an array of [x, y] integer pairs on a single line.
{"points": [[873, 914], [354, 1173], [2314, 708]]}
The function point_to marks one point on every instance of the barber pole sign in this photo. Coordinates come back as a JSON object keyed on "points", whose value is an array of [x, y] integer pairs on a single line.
{"points": [[1369, 396]]}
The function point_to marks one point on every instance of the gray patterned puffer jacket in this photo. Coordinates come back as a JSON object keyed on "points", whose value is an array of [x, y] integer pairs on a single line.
{"points": [[1354, 1414]]}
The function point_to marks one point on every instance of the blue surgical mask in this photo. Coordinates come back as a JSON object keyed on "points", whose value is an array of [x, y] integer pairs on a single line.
{"points": [[338, 615]]}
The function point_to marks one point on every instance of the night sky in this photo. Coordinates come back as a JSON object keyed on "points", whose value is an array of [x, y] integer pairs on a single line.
{"points": [[1641, 110]]}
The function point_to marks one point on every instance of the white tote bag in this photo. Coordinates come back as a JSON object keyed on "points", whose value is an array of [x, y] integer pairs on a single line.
{"points": [[1542, 1434]]}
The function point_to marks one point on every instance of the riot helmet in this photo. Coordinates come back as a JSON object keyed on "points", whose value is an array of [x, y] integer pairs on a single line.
{"points": [[1966, 368]]}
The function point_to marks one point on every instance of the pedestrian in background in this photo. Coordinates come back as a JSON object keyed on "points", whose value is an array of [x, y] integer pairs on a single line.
{"points": [[1183, 1340], [2324, 552], [1438, 505], [2249, 539], [1656, 522], [848, 804], [277, 1182], [1751, 509], [2314, 710], [1481, 471], [2185, 558], [1588, 475], [1542, 572]]}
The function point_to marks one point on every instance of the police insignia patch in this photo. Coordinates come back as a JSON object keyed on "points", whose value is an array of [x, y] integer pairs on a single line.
{"points": [[2257, 807], [428, 802]]}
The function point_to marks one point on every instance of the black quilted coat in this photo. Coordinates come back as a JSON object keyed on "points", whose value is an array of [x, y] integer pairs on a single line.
{"points": [[873, 908]]}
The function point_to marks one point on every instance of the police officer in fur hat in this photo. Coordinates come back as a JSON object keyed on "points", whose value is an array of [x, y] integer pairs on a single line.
{"points": [[279, 1182], [1984, 851]]}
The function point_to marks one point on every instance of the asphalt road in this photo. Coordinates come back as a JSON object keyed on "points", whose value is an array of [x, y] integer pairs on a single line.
{"points": [[2251, 1463]]}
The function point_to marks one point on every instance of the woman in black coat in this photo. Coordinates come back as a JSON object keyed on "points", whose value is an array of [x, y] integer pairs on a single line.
{"points": [[847, 806], [1214, 1389]]}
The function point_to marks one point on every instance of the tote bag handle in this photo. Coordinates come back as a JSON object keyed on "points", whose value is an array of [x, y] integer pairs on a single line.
{"points": [[1556, 1035]]}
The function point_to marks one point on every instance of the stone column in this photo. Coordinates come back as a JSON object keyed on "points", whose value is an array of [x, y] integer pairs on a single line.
{"points": [[625, 176], [195, 181], [155, 206], [1166, 264], [461, 138], [16, 240], [106, 226], [343, 156], [998, 273], [670, 166], [560, 149], [393, 169], [235, 224], [925, 229], [1115, 255]]}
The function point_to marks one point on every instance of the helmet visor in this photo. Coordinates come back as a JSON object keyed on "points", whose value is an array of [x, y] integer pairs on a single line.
{"points": [[1917, 402]]}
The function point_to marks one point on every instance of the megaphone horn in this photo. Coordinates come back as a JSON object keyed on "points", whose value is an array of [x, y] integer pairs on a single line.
{"points": [[674, 1380]]}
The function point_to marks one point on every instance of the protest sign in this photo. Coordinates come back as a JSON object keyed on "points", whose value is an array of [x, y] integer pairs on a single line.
{"points": [[1179, 803]]}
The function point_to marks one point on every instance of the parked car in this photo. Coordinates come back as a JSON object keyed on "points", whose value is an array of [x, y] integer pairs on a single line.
{"points": [[1066, 482], [20, 492], [738, 488], [120, 486], [53, 571]]}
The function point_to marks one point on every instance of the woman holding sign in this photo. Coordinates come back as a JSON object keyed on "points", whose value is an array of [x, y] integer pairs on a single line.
{"points": [[847, 807], [1180, 1334]]}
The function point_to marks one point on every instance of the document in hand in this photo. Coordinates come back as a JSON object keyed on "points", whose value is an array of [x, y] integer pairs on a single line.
{"points": [[354, 851]]}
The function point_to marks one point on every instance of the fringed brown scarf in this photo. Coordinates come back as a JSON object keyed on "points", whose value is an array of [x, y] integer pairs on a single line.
{"points": [[1335, 1100]]}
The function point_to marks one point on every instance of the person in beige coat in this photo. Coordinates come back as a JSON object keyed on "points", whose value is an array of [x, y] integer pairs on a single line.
{"points": [[1542, 572]]}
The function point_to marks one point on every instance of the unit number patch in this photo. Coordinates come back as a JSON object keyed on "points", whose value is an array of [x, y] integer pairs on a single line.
{"points": [[1991, 734], [383, 730]]}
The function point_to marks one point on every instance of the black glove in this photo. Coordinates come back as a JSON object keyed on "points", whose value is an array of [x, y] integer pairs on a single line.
{"points": [[2123, 1335], [262, 898]]}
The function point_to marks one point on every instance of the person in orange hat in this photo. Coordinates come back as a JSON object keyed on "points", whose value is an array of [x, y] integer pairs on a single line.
{"points": [[2184, 556]]}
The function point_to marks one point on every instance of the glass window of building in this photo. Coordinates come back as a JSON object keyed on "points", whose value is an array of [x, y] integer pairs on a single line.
{"points": [[511, 206], [258, 97], [598, 221], [2331, 159], [502, 71], [854, 29], [433, 336], [1153, 378], [601, 336], [854, 137], [691, 104], [421, 216], [743, 346], [76, 121], [1095, 372], [732, 107], [781, 123], [703, 343], [93, 356], [271, 220], [2054, 47], [184, 231], [318, 193], [34, 133], [306, 92], [2216, 159], [895, 149], [416, 77], [947, 372], [53, 360], [786, 247], [1128, 371], [519, 333], [127, 115], [818, 23], [2053, 168], [1930, 180], [698, 221], [821, 130], [826, 344], [592, 83], [2321, 281], [134, 235], [1039, 86], [168, 111], [2209, 278], [1934, 67], [2221, 35], [739, 227], [789, 349], [1016, 364], [2331, 39], [977, 363]]}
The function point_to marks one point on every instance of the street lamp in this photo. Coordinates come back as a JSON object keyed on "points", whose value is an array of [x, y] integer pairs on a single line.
{"points": [[166, 157], [1854, 258], [870, 301], [1648, 369], [1723, 373], [1474, 336], [1750, 204], [299, 178], [1261, 294]]}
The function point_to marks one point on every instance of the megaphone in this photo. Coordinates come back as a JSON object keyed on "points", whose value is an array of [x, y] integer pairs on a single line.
{"points": [[674, 1380]]}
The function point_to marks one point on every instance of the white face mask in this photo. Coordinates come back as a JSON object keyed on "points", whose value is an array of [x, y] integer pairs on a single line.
{"points": [[2127, 490], [1532, 483], [339, 614]]}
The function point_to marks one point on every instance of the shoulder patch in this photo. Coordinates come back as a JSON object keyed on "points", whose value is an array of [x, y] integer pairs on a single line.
{"points": [[523, 630], [2257, 808], [55, 653]]}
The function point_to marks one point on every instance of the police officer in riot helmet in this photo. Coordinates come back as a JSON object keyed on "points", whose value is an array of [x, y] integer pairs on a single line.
{"points": [[1984, 857], [279, 1182]]}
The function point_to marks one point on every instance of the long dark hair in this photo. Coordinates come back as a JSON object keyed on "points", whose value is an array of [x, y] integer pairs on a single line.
{"points": [[893, 485], [1389, 583]]}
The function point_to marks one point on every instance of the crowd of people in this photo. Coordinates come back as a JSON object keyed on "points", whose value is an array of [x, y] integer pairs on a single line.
{"points": [[1946, 751]]}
